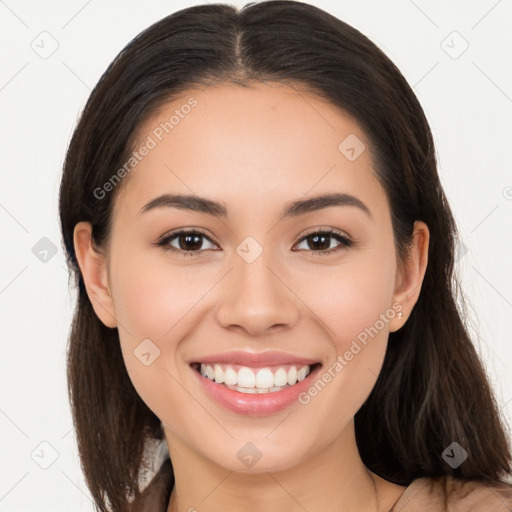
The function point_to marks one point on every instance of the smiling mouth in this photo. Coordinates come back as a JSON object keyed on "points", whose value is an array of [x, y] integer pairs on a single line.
{"points": [[244, 379]]}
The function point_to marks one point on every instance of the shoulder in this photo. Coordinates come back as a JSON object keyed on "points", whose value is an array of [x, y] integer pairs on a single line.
{"points": [[448, 494]]}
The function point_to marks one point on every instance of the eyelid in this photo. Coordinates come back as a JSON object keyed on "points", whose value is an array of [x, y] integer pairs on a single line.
{"points": [[320, 229], [191, 230]]}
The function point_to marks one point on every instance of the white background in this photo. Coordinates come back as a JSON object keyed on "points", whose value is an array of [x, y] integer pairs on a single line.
{"points": [[468, 101]]}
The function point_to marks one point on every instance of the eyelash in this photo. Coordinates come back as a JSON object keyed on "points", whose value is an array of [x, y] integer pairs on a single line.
{"points": [[345, 242]]}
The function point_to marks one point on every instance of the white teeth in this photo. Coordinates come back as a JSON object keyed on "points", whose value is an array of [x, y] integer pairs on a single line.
{"points": [[252, 391], [264, 379], [251, 380], [218, 374], [256, 390], [301, 374], [292, 376], [281, 377], [246, 378], [230, 377]]}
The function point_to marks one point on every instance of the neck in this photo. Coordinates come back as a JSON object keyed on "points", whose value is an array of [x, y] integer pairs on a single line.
{"points": [[332, 480]]}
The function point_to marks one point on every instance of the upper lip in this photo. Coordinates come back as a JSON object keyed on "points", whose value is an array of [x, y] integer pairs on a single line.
{"points": [[255, 360]]}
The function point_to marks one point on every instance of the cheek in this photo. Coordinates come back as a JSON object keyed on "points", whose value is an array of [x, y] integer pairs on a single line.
{"points": [[154, 307], [352, 297], [356, 308], [152, 298], [354, 302]]}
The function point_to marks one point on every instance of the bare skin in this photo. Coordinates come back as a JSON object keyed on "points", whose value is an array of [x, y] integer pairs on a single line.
{"points": [[255, 150]]}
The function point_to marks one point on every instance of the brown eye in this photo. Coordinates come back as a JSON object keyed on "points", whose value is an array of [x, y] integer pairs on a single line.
{"points": [[188, 242], [321, 242]]}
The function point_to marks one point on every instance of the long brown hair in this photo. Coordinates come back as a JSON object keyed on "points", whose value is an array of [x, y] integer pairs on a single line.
{"points": [[432, 389]]}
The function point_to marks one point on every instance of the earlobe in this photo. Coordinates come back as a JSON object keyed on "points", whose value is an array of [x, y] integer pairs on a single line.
{"points": [[410, 277], [93, 267]]}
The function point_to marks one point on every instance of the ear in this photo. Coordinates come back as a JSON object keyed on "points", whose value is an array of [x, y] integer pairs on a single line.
{"points": [[93, 267], [410, 275]]}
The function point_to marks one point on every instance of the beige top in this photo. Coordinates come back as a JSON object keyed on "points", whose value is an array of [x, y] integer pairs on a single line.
{"points": [[447, 494], [443, 494]]}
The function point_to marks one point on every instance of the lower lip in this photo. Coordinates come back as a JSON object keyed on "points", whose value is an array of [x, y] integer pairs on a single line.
{"points": [[255, 404]]}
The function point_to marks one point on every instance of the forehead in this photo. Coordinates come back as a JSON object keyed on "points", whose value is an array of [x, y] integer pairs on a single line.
{"points": [[265, 143]]}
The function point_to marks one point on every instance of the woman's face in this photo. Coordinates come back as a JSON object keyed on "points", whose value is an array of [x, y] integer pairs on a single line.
{"points": [[257, 279]]}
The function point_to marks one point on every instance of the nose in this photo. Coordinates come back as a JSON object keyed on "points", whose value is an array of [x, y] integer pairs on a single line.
{"points": [[257, 299]]}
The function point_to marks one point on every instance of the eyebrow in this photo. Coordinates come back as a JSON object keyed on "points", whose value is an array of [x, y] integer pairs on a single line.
{"points": [[292, 209]]}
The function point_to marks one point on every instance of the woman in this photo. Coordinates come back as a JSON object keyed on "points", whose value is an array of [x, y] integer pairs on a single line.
{"points": [[264, 255]]}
